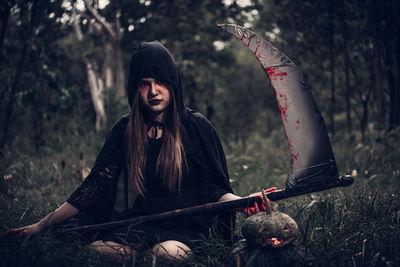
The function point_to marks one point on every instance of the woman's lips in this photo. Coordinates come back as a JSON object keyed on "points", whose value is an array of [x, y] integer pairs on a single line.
{"points": [[155, 102]]}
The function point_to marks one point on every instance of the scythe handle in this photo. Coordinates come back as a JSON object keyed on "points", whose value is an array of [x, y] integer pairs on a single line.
{"points": [[214, 207]]}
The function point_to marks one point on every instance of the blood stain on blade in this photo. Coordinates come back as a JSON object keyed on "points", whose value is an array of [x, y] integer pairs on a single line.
{"points": [[284, 107], [243, 33], [250, 38], [274, 74], [295, 156]]}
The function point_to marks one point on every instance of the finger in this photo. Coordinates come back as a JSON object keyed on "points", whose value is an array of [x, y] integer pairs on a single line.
{"points": [[245, 210], [16, 230], [263, 208], [256, 209], [270, 189], [23, 233], [11, 232], [270, 204]]}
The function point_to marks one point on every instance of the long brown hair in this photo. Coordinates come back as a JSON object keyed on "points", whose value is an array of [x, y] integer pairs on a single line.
{"points": [[171, 158]]}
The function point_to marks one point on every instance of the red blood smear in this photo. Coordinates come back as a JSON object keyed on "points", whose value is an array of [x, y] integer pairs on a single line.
{"points": [[283, 108], [250, 38], [260, 57], [274, 74], [242, 35], [255, 51], [295, 156]]}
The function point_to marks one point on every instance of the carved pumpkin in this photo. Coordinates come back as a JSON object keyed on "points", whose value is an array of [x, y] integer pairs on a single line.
{"points": [[269, 237], [272, 229]]}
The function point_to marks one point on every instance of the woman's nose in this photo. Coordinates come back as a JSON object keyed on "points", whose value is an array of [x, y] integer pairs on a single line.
{"points": [[153, 89]]}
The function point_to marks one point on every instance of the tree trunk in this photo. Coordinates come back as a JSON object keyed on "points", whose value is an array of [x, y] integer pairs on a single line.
{"points": [[332, 69], [364, 120], [11, 99], [115, 35], [293, 27], [391, 43], [116, 43], [172, 28], [379, 88], [348, 90], [108, 66], [14, 88], [95, 87], [96, 91], [4, 25], [395, 94], [119, 68], [390, 69]]}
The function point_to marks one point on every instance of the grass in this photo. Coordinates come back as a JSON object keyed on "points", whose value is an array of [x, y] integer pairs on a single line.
{"points": [[354, 226]]}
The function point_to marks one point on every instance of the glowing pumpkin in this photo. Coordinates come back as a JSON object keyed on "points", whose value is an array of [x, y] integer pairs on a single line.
{"points": [[271, 228], [269, 237], [269, 242]]}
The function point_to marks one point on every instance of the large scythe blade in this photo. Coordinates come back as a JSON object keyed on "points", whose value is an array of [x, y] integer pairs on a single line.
{"points": [[313, 165]]}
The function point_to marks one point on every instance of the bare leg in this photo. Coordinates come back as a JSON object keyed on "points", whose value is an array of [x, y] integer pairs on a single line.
{"points": [[112, 250], [172, 250]]}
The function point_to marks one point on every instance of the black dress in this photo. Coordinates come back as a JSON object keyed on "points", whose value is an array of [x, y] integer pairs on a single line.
{"points": [[200, 184]]}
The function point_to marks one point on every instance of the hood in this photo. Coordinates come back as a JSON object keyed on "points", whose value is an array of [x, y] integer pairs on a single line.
{"points": [[153, 60]]}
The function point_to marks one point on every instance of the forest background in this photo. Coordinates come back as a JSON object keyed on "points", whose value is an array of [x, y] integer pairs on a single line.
{"points": [[62, 86]]}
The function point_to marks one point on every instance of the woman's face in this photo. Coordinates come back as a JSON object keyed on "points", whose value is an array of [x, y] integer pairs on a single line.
{"points": [[154, 96]]}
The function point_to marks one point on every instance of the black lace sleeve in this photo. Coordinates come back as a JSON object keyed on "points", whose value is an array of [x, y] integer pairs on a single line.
{"points": [[96, 195], [97, 192]]}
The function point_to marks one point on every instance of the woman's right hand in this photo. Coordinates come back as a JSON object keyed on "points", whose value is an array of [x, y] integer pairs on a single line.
{"points": [[28, 230], [23, 231], [61, 214]]}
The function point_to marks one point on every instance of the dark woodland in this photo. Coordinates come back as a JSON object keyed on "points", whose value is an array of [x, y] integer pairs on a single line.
{"points": [[63, 74]]}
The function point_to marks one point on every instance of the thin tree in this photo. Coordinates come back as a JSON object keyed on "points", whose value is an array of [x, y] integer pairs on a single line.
{"points": [[114, 32], [8, 111], [332, 67], [379, 92], [94, 80], [348, 90]]}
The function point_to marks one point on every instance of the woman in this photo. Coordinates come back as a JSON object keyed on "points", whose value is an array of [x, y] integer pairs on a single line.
{"points": [[170, 155]]}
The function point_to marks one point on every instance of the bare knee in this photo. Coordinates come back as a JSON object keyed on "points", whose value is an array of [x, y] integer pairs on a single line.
{"points": [[112, 250], [172, 250]]}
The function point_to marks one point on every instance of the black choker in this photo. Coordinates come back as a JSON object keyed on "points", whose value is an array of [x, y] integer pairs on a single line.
{"points": [[155, 124]]}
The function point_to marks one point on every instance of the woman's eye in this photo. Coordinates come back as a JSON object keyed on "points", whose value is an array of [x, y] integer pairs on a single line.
{"points": [[143, 85]]}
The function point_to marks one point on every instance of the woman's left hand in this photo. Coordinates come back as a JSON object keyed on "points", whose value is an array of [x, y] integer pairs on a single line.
{"points": [[258, 208]]}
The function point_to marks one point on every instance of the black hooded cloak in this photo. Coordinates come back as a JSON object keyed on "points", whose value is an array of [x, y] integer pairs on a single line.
{"points": [[205, 180]]}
